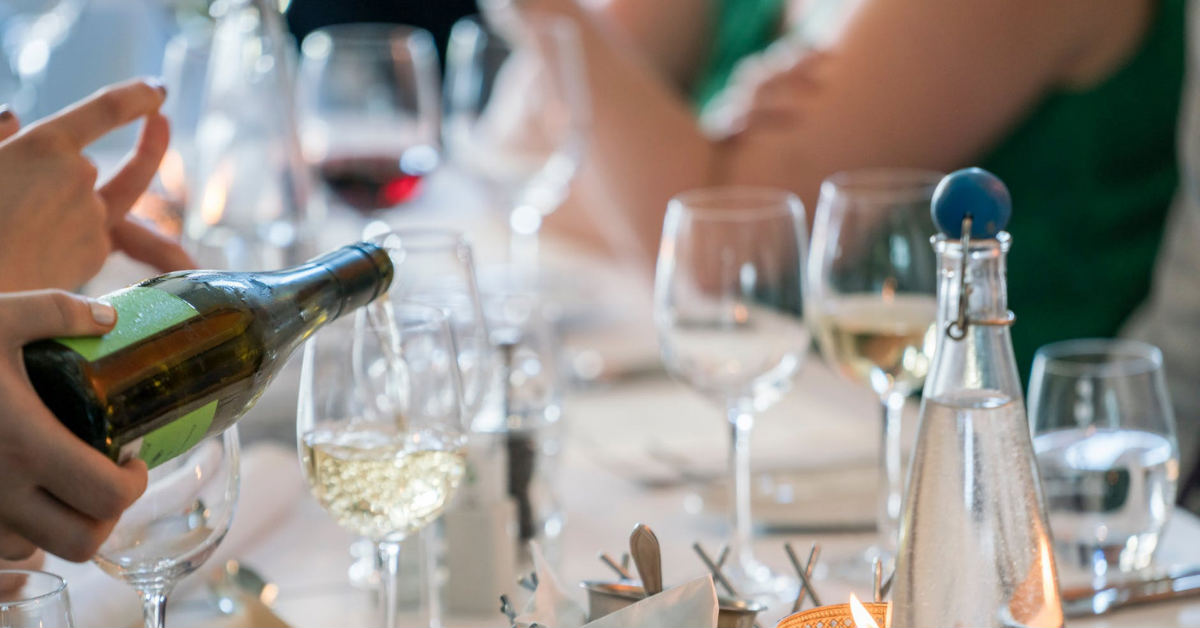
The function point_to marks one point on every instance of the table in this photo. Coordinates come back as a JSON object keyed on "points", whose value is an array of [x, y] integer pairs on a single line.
{"points": [[613, 435]]}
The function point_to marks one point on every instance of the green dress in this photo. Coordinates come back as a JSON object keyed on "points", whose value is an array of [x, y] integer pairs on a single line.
{"points": [[1091, 172]]}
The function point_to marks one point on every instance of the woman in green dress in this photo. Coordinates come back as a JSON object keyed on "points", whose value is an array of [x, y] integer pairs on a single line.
{"points": [[1073, 103]]}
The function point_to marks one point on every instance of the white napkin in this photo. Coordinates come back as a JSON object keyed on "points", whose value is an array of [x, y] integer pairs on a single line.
{"points": [[270, 488], [692, 604]]}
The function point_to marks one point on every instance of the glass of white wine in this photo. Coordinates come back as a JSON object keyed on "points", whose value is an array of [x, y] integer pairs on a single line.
{"points": [[380, 426], [176, 524], [873, 299], [728, 308]]}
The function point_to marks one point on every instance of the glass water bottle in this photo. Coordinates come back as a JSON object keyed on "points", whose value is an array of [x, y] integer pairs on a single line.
{"points": [[975, 547]]}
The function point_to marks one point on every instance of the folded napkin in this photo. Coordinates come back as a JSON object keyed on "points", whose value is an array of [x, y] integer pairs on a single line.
{"points": [[692, 604], [270, 488]]}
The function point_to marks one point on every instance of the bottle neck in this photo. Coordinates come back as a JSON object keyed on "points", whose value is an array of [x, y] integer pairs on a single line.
{"points": [[975, 351], [333, 284]]}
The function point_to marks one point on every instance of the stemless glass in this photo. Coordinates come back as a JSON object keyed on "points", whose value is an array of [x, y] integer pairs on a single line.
{"points": [[872, 303], [176, 524], [380, 426], [1104, 435], [368, 103], [517, 114], [40, 602], [727, 305]]}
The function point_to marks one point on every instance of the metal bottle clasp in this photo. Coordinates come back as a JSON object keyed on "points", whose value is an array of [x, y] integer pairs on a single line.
{"points": [[957, 328]]}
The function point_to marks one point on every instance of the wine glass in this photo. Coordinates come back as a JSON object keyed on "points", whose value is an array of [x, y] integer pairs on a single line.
{"points": [[176, 524], [368, 109], [380, 426], [436, 266], [40, 600], [873, 301], [517, 114], [1104, 436], [728, 308]]}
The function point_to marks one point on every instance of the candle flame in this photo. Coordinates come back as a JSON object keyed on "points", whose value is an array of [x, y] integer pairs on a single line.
{"points": [[862, 617]]}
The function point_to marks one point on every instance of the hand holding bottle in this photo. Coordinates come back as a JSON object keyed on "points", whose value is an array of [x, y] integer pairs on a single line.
{"points": [[59, 493], [49, 202]]}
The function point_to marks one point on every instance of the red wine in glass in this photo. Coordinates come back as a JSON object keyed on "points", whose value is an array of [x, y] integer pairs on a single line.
{"points": [[371, 183]]}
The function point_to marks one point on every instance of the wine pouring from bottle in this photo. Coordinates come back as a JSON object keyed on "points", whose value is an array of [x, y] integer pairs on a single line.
{"points": [[193, 350], [975, 547]]}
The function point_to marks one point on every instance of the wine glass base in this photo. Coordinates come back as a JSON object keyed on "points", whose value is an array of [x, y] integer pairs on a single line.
{"points": [[755, 581]]}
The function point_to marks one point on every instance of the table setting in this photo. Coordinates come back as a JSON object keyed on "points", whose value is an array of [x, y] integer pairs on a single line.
{"points": [[800, 417]]}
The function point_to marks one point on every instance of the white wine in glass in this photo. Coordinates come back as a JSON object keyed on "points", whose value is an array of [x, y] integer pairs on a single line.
{"points": [[380, 427], [872, 280]]}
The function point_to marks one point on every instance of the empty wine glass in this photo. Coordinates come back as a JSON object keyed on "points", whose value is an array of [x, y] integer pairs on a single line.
{"points": [[40, 600], [368, 103], [872, 303], [728, 308], [380, 426], [517, 114], [1104, 436], [176, 524]]}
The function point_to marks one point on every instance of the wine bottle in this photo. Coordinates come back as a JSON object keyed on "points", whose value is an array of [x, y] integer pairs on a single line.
{"points": [[193, 350]]}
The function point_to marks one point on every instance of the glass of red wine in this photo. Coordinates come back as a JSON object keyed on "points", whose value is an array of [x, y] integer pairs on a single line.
{"points": [[369, 112]]}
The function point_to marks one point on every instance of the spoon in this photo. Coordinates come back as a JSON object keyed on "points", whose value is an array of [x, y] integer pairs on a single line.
{"points": [[235, 588], [647, 557]]}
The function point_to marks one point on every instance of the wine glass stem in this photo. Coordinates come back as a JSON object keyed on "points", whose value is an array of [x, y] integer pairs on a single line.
{"points": [[890, 482], [740, 424], [389, 558], [154, 605]]}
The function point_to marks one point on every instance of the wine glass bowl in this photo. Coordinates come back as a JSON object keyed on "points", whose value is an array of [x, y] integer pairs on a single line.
{"points": [[369, 120], [177, 523], [728, 308], [517, 113], [872, 280], [380, 426]]}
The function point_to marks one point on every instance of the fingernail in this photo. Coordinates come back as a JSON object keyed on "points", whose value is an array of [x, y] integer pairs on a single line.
{"points": [[6, 114], [157, 83], [103, 313]]}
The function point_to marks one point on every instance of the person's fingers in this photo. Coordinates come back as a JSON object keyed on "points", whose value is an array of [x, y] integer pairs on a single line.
{"points": [[9, 124], [50, 524], [112, 107], [142, 243], [15, 549], [135, 174], [38, 314], [72, 471]]}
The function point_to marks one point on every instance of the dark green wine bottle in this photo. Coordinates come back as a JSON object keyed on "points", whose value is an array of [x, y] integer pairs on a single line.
{"points": [[193, 350]]}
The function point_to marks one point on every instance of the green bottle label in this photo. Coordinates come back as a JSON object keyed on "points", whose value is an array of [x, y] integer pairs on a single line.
{"points": [[141, 313], [178, 436]]}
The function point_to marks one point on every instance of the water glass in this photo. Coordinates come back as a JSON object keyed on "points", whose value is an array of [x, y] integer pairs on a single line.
{"points": [[1104, 435], [41, 601]]}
